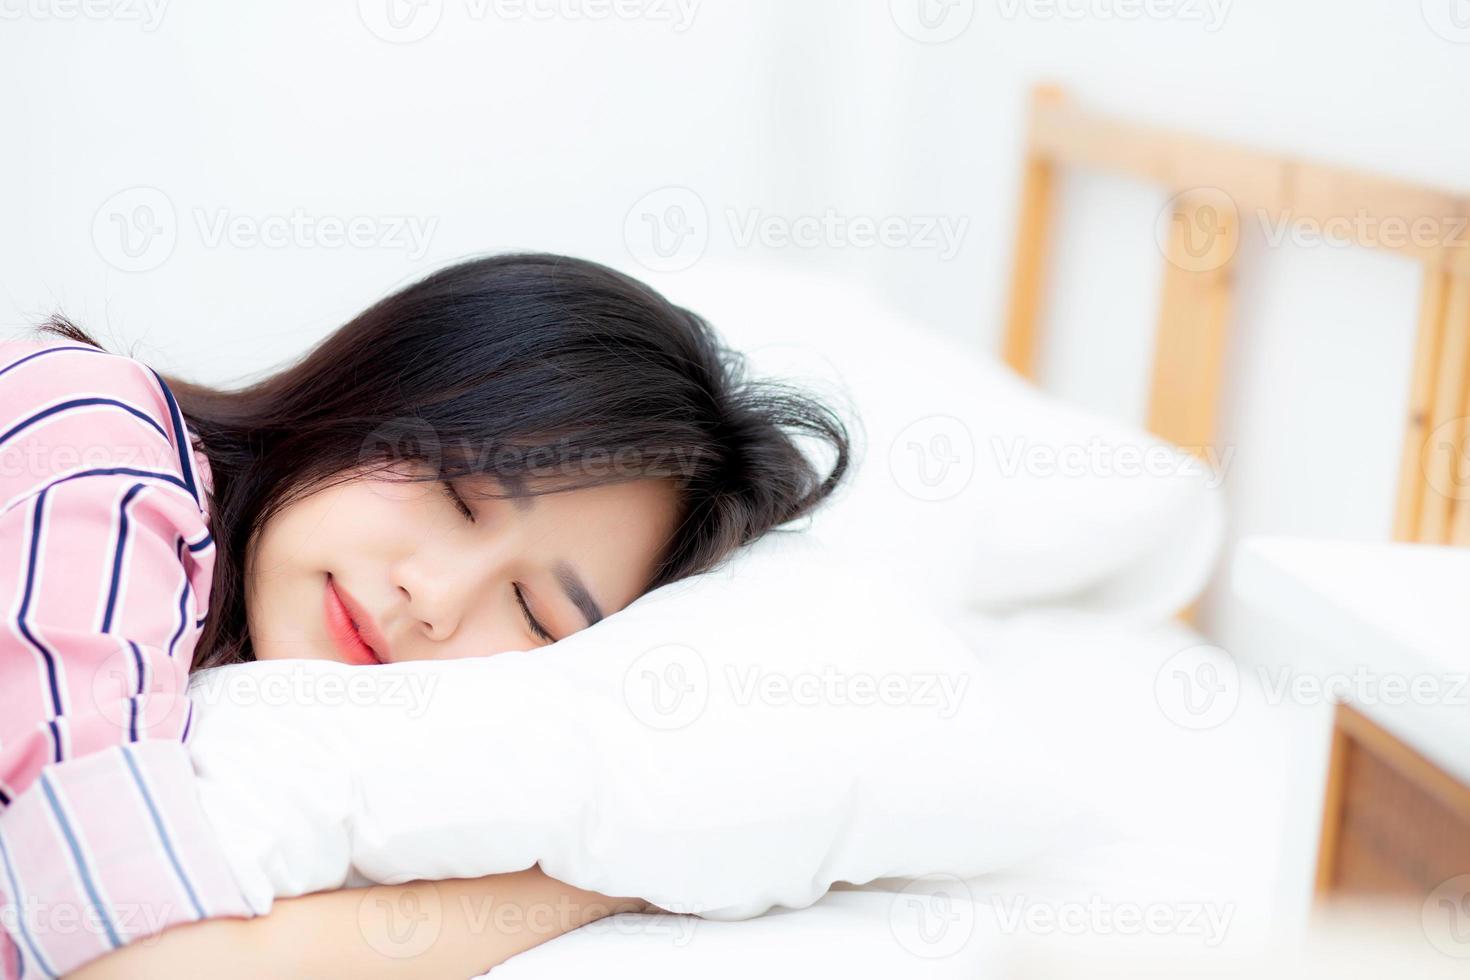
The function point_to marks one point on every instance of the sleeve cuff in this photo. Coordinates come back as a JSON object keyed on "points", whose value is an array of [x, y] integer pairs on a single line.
{"points": [[106, 849]]}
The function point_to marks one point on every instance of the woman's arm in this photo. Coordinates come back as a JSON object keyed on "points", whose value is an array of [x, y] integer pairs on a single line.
{"points": [[455, 928], [105, 568]]}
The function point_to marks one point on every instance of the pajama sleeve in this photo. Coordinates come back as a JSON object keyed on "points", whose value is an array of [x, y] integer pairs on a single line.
{"points": [[106, 561]]}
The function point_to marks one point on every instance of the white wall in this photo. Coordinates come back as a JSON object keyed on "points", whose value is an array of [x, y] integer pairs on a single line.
{"points": [[537, 124]]}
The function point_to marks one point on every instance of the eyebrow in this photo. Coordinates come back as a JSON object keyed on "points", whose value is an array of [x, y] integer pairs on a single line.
{"points": [[576, 590]]}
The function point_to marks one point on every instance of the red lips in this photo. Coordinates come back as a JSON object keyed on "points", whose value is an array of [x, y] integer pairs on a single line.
{"points": [[353, 632]]}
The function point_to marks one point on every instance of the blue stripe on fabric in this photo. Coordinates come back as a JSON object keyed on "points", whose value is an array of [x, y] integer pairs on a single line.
{"points": [[46, 413], [38, 522], [117, 555], [135, 701], [181, 440], [75, 847], [41, 962], [168, 845], [168, 478], [42, 353]]}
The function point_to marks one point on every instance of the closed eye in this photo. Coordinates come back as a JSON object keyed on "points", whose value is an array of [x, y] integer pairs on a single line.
{"points": [[536, 628], [458, 501]]}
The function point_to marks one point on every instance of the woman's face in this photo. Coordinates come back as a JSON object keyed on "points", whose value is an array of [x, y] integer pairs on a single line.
{"points": [[380, 570]]}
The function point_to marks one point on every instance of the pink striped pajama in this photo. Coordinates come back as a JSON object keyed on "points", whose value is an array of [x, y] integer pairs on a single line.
{"points": [[105, 568]]}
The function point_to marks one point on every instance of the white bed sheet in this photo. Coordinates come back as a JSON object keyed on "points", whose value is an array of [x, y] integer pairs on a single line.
{"points": [[1182, 845]]}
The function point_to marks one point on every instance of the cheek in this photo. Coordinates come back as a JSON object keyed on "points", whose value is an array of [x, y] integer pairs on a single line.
{"points": [[364, 519]]}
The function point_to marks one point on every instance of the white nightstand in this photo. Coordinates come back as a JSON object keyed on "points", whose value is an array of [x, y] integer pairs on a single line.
{"points": [[1390, 625]]}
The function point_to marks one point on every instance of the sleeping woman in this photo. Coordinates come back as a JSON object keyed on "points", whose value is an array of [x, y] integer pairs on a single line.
{"points": [[491, 459]]}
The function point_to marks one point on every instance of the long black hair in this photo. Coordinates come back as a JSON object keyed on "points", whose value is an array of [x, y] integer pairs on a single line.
{"points": [[545, 372]]}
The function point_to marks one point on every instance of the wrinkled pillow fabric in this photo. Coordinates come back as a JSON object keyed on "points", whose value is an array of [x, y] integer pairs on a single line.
{"points": [[976, 486]]}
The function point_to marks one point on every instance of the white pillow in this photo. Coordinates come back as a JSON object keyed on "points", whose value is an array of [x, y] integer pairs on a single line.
{"points": [[738, 740], [973, 484]]}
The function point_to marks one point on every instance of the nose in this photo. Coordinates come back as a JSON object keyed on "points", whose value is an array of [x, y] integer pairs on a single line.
{"points": [[437, 588], [426, 597]]}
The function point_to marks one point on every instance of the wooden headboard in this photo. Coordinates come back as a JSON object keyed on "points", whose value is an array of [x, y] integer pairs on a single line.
{"points": [[1213, 184]]}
